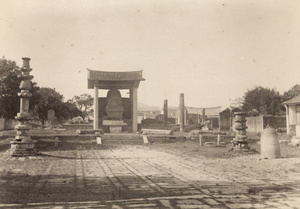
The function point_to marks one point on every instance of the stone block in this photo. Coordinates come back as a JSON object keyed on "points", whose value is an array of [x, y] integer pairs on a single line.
{"points": [[113, 123], [115, 129], [156, 131]]}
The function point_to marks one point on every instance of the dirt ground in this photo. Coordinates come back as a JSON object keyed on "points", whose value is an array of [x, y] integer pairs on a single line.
{"points": [[159, 175]]}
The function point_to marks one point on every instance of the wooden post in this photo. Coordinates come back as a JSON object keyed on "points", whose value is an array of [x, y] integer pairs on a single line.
{"points": [[218, 140], [165, 112], [181, 112], [200, 140], [96, 107], [203, 114], [56, 140]]}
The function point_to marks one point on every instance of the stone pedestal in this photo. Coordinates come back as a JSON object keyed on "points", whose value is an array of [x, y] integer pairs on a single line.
{"points": [[115, 126], [22, 148], [115, 114]]}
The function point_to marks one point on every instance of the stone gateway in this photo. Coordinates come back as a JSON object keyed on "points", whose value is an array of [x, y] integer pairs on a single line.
{"points": [[113, 111]]}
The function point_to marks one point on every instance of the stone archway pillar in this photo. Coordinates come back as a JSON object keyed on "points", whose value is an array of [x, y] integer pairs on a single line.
{"points": [[96, 107], [287, 120], [134, 110]]}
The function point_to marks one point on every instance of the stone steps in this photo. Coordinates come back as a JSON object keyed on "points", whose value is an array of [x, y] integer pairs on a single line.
{"points": [[125, 138]]}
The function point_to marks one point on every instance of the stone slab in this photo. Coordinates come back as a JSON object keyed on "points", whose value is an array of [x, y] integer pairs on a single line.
{"points": [[156, 131], [113, 123], [115, 129]]}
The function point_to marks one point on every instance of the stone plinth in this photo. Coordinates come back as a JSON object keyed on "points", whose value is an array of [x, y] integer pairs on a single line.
{"points": [[22, 148], [115, 126]]}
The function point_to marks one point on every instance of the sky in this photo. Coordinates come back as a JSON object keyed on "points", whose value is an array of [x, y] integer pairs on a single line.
{"points": [[213, 51]]}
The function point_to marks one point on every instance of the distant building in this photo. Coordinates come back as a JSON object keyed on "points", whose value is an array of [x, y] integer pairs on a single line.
{"points": [[145, 111], [195, 115]]}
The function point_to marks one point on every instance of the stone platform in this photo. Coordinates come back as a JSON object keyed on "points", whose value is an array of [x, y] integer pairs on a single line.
{"points": [[115, 126], [22, 148]]}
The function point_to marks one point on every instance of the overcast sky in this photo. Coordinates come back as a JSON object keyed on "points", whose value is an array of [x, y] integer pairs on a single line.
{"points": [[210, 50]]}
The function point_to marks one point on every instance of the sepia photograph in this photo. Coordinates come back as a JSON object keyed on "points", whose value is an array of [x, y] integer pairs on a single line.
{"points": [[137, 104]]}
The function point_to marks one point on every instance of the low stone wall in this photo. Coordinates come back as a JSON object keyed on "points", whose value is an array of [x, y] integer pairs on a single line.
{"points": [[77, 126], [9, 124], [258, 123]]}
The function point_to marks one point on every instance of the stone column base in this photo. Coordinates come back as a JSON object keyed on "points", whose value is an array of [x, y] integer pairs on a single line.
{"points": [[240, 145], [22, 148]]}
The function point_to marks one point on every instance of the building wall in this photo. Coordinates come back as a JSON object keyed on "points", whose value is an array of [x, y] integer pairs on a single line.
{"points": [[298, 115], [254, 124], [292, 115], [274, 121], [257, 124]]}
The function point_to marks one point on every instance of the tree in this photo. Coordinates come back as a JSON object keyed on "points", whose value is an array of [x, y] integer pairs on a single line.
{"points": [[47, 99], [84, 102], [236, 104], [9, 88], [293, 92], [69, 110], [265, 100]]}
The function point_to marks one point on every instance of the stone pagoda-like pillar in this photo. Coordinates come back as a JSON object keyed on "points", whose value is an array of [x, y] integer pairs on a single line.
{"points": [[23, 145], [239, 142]]}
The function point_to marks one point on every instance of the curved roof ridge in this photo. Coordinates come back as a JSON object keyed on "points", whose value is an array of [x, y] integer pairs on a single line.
{"points": [[101, 71], [115, 76]]}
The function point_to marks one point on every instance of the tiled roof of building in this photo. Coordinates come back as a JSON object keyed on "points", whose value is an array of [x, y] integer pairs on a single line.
{"points": [[115, 76], [295, 100], [209, 111]]}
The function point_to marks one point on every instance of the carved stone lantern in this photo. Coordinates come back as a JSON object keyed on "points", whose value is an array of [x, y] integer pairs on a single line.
{"points": [[239, 142], [23, 145]]}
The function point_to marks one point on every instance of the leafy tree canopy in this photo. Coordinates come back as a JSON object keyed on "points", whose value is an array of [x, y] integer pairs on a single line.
{"points": [[49, 99], [265, 100], [293, 92], [9, 88], [84, 102]]}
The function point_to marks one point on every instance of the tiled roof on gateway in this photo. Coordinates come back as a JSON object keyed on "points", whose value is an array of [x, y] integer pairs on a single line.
{"points": [[115, 76], [295, 100]]}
